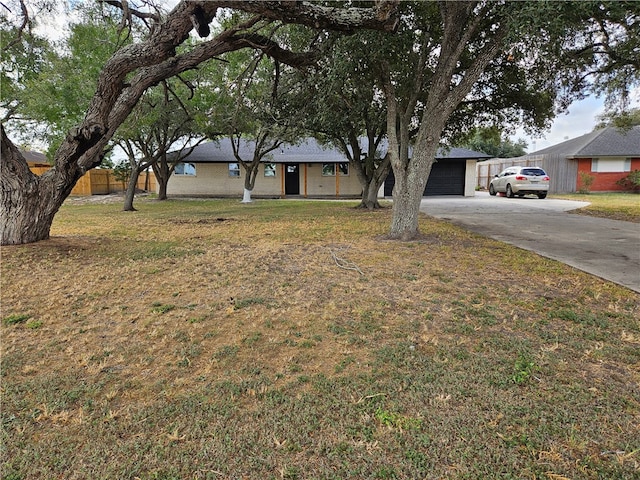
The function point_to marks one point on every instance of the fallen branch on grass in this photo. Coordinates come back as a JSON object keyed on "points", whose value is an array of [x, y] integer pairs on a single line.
{"points": [[345, 264], [368, 397]]}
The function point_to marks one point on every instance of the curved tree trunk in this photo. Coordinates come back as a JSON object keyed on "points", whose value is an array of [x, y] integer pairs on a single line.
{"points": [[29, 202], [130, 193]]}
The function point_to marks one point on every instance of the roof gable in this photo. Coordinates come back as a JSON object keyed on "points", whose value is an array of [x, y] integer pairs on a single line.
{"points": [[34, 158], [606, 142]]}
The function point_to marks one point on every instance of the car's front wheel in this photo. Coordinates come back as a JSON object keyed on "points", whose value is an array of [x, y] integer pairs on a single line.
{"points": [[509, 191], [542, 195], [492, 191]]}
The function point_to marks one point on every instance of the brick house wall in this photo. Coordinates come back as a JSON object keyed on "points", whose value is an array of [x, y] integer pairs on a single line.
{"points": [[604, 181]]}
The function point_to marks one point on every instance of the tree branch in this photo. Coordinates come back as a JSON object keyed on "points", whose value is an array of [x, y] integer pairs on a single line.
{"points": [[381, 17], [124, 6], [21, 28], [273, 50]]}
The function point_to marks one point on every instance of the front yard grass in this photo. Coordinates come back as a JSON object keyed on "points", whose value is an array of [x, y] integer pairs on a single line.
{"points": [[617, 206], [209, 339]]}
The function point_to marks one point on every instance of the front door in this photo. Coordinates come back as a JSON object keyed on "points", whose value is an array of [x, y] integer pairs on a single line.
{"points": [[292, 179]]}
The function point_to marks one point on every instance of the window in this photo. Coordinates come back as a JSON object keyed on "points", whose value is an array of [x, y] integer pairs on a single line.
{"points": [[535, 172], [329, 169], [603, 165], [234, 169], [269, 169], [188, 169]]}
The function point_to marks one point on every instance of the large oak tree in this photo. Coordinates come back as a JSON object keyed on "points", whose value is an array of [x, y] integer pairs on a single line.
{"points": [[469, 61], [29, 202]]}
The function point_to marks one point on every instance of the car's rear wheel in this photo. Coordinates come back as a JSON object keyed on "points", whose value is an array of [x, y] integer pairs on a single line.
{"points": [[492, 191], [509, 191], [542, 195]]}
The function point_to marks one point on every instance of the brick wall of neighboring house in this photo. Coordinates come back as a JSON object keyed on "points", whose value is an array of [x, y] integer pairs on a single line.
{"points": [[603, 181]]}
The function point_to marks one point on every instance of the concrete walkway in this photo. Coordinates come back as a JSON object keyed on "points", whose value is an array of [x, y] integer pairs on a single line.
{"points": [[609, 249]]}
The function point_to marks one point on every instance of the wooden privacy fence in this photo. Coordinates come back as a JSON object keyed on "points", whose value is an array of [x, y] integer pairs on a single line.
{"points": [[562, 170], [488, 169], [103, 181]]}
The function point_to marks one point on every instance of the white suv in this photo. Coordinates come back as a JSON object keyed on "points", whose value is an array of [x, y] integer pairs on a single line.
{"points": [[520, 181]]}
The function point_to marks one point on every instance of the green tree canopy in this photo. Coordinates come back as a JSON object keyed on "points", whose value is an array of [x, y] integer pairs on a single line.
{"points": [[492, 141], [623, 120], [346, 107], [24, 55], [56, 97]]}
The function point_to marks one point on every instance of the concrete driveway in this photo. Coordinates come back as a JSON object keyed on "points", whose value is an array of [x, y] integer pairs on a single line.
{"points": [[609, 249]]}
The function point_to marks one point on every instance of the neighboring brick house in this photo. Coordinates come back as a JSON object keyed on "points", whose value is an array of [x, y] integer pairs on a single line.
{"points": [[607, 155]]}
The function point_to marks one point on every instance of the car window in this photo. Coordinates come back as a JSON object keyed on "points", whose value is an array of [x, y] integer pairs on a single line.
{"points": [[538, 172]]}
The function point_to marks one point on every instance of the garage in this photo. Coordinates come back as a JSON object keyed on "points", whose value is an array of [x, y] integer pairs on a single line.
{"points": [[447, 178], [450, 175]]}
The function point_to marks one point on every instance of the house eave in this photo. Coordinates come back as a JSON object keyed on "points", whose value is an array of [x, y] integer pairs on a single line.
{"points": [[308, 151]]}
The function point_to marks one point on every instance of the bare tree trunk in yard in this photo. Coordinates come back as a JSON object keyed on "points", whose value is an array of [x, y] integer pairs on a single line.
{"points": [[370, 175], [410, 175], [407, 195], [371, 188], [251, 172], [29, 202], [162, 172], [404, 220], [130, 193], [369, 197], [162, 188]]}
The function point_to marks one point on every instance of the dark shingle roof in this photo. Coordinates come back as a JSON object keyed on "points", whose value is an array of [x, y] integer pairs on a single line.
{"points": [[35, 158], [460, 153], [220, 151], [308, 151], [609, 141]]}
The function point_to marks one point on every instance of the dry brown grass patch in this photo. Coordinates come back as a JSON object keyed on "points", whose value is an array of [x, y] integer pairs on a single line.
{"points": [[166, 335]]}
